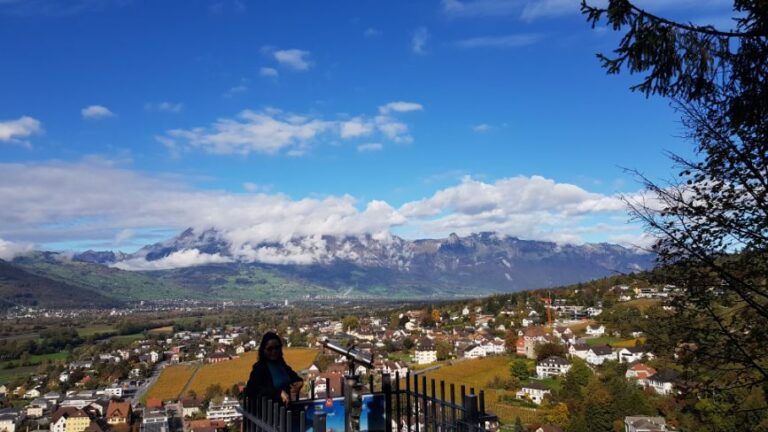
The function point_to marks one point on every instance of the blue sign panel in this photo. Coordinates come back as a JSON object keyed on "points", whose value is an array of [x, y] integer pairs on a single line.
{"points": [[372, 418]]}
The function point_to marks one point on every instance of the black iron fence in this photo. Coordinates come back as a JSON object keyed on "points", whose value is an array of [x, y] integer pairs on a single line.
{"points": [[410, 403]]}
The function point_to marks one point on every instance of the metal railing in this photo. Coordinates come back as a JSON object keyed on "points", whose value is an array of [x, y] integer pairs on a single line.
{"points": [[410, 404]]}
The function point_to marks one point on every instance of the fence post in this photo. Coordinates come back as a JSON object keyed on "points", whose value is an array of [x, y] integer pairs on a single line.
{"points": [[318, 422], [386, 388], [398, 403], [471, 415]]}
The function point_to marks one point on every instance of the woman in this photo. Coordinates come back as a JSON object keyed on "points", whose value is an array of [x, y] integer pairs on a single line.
{"points": [[271, 377]]}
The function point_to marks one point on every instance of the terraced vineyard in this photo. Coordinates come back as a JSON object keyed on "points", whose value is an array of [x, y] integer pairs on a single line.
{"points": [[173, 380], [478, 373]]}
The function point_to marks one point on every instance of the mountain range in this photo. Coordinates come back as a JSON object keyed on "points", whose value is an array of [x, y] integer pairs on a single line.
{"points": [[325, 267]]}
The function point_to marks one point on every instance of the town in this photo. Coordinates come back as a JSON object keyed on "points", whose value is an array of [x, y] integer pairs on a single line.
{"points": [[537, 355]]}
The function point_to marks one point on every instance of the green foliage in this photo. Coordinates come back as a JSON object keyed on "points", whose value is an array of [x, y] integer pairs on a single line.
{"points": [[519, 370], [575, 380], [550, 349], [350, 322], [518, 425], [711, 224]]}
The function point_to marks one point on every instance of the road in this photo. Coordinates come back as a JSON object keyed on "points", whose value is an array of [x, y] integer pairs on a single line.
{"points": [[149, 382]]}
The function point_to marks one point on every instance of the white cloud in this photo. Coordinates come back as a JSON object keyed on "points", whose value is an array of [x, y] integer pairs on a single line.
{"points": [[178, 259], [14, 131], [480, 8], [265, 131], [94, 199], [372, 32], [10, 250], [268, 72], [419, 41], [355, 128], [164, 107], [295, 59], [483, 127], [256, 188], [507, 41], [272, 131], [400, 106], [96, 112], [369, 147], [529, 207]]}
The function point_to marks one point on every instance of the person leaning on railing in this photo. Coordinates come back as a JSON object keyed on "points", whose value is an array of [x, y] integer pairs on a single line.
{"points": [[271, 377]]}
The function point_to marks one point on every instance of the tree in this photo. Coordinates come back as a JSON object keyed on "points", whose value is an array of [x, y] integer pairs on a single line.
{"points": [[549, 349], [558, 415], [710, 225], [576, 379], [444, 349], [213, 391], [350, 322], [519, 370], [518, 425]]}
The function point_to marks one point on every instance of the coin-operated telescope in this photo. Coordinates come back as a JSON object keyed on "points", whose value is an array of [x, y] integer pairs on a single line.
{"points": [[353, 388]]}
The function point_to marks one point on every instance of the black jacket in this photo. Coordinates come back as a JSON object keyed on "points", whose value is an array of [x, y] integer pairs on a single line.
{"points": [[260, 382]]}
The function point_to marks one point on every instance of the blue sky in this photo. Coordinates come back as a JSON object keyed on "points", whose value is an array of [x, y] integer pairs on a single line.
{"points": [[120, 119]]}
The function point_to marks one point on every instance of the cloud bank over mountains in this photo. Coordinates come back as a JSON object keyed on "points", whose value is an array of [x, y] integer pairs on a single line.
{"points": [[101, 202]]}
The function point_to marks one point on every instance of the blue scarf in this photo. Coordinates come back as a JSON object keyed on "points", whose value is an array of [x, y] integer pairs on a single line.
{"points": [[279, 375]]}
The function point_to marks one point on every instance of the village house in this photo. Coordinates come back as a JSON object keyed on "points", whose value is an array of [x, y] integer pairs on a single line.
{"points": [[474, 351], [662, 382], [154, 421], [118, 413], [533, 392], [226, 410], [595, 331], [532, 337], [9, 419], [494, 347], [633, 354], [579, 350], [563, 333], [597, 355], [552, 366], [69, 419], [425, 352], [218, 357], [190, 407], [644, 424], [639, 371]]}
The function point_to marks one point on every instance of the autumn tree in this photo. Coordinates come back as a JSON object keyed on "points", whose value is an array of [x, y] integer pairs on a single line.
{"points": [[550, 349], [711, 223]]}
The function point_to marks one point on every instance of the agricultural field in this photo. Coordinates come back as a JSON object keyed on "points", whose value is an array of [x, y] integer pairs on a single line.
{"points": [[162, 330], [175, 379], [478, 373], [629, 343], [90, 331], [171, 382]]}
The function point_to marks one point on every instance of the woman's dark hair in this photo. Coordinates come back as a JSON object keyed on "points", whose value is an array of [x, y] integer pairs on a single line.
{"points": [[268, 336]]}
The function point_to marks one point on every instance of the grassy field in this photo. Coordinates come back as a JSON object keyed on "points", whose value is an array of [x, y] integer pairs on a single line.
{"points": [[171, 382], [602, 340], [90, 331], [581, 326], [629, 343], [642, 304], [37, 359], [8, 375], [174, 379], [478, 373], [162, 330]]}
